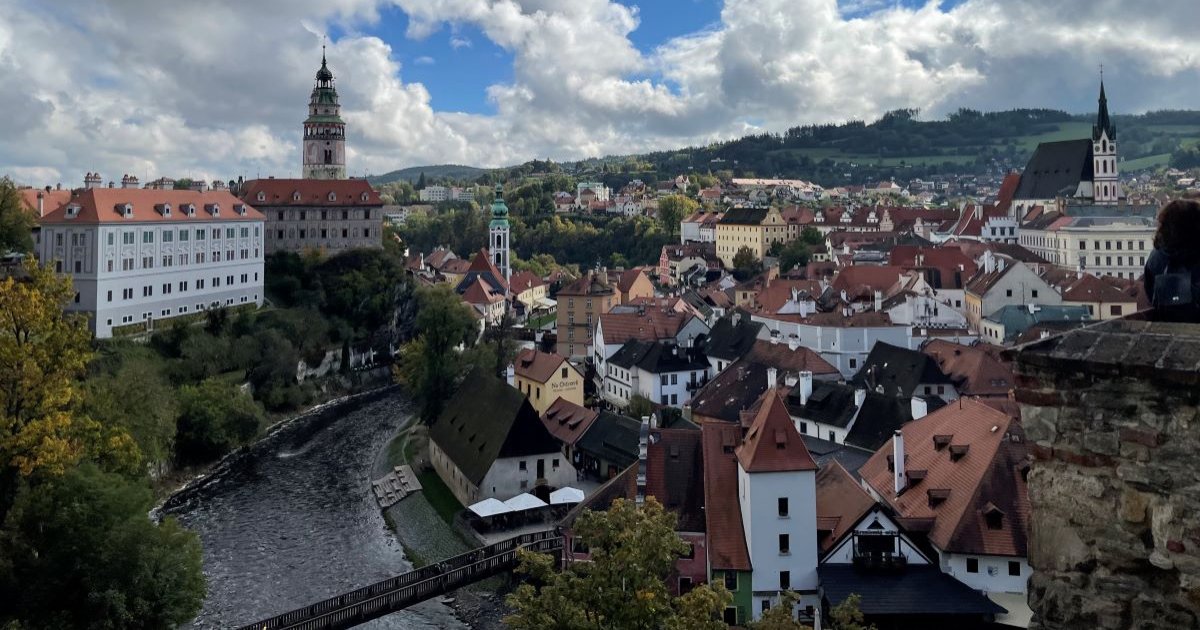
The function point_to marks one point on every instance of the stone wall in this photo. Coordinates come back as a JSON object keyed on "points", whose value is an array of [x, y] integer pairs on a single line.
{"points": [[1111, 413]]}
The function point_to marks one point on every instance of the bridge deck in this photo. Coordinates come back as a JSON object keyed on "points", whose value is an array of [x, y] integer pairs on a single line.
{"points": [[382, 598]]}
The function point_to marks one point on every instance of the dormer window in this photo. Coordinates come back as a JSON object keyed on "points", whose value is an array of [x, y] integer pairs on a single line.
{"points": [[240, 209], [262, 196], [126, 210], [214, 209], [994, 516], [365, 196], [188, 209], [941, 441], [332, 196], [296, 196], [937, 496], [73, 210], [164, 209], [958, 451]]}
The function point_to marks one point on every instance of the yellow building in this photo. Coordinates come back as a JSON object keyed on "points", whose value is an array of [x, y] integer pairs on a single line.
{"points": [[545, 377], [753, 228]]}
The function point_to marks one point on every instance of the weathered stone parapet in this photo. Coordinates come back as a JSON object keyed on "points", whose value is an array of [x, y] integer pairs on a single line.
{"points": [[1111, 412]]}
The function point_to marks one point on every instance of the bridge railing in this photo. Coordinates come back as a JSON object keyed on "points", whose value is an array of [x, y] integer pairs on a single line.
{"points": [[406, 589]]}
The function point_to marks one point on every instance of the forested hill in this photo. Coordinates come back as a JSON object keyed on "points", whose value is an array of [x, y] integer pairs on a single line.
{"points": [[899, 144]]}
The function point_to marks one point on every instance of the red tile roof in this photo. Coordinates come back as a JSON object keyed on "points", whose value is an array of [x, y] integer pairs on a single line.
{"points": [[675, 475], [957, 489], [538, 366], [589, 285], [652, 325], [723, 512], [772, 443], [478, 293], [51, 200], [861, 281], [567, 421], [841, 502], [1008, 189], [100, 205], [523, 281], [950, 262], [776, 293], [974, 370], [313, 192], [782, 357]]}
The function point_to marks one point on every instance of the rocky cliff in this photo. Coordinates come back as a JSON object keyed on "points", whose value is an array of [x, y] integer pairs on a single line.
{"points": [[1111, 412]]}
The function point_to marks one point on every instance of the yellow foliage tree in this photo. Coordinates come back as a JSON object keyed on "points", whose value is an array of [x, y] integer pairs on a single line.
{"points": [[44, 352]]}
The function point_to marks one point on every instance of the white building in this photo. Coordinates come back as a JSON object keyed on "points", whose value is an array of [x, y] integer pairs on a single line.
{"points": [[138, 256], [434, 194], [664, 373], [843, 339], [599, 190]]}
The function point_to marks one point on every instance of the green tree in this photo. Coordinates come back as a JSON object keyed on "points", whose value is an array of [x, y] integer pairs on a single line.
{"points": [[639, 406], [745, 264], [421, 181], [79, 552], [149, 416], [794, 254], [844, 616], [633, 550], [673, 209], [44, 353], [16, 223], [430, 365], [214, 418]]}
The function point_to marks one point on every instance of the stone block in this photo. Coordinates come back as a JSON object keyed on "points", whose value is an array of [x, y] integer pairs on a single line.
{"points": [[1102, 442], [1134, 505], [1141, 435]]}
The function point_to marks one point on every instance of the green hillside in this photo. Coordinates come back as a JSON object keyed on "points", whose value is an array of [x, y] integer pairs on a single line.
{"points": [[437, 171]]}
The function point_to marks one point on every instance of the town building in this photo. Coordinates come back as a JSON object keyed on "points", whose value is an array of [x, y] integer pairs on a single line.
{"points": [[1002, 283], [1116, 245], [483, 286], [498, 234], [661, 319], [580, 305], [545, 377], [568, 422], [755, 229], [489, 442], [1009, 322], [324, 130], [664, 373], [139, 256], [323, 215]]}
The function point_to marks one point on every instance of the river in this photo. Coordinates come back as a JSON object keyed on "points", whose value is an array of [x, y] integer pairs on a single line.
{"points": [[291, 521]]}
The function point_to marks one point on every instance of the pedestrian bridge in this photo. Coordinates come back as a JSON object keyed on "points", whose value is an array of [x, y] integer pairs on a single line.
{"points": [[382, 598]]}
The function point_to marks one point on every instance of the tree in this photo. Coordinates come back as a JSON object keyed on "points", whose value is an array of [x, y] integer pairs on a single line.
{"points": [[214, 418], [80, 552], [430, 365], [640, 406], [794, 254], [745, 264], [44, 352], [149, 416], [633, 551], [16, 223], [673, 209], [845, 616], [421, 181]]}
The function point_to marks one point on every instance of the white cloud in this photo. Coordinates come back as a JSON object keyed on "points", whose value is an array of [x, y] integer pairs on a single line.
{"points": [[424, 60], [217, 89], [458, 41]]}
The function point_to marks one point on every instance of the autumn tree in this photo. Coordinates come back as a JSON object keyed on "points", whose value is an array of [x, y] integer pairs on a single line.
{"points": [[16, 222], [844, 616], [430, 365], [673, 209], [633, 551], [44, 352]]}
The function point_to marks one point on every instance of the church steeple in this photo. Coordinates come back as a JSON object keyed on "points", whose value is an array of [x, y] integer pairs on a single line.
{"points": [[498, 234], [1103, 123]]}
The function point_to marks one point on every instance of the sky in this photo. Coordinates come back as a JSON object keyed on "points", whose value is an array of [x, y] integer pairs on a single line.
{"points": [[219, 88]]}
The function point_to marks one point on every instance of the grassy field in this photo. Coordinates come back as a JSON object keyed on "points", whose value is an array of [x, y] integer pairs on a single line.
{"points": [[1150, 161], [439, 496]]}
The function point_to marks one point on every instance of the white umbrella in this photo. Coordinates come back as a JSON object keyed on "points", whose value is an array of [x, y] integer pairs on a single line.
{"points": [[566, 495], [489, 507], [524, 501]]}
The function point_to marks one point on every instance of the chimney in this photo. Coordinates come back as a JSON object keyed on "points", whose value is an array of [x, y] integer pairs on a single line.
{"points": [[510, 374], [772, 378], [793, 343], [878, 301], [92, 180], [41, 204], [860, 396], [989, 262], [774, 340], [898, 480], [643, 449], [919, 408], [806, 386]]}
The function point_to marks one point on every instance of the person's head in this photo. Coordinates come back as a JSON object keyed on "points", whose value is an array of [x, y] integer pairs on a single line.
{"points": [[1179, 226]]}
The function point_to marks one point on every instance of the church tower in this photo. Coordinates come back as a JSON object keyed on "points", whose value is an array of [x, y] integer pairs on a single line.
{"points": [[498, 234], [1106, 186], [324, 130]]}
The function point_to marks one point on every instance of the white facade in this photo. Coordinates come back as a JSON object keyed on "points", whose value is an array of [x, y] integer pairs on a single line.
{"points": [[601, 191], [875, 521], [150, 270], [844, 347], [603, 350], [1110, 246], [510, 476], [759, 494], [1107, 186], [434, 194], [943, 310]]}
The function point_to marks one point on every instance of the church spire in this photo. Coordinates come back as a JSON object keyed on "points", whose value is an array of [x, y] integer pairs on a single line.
{"points": [[1103, 123]]}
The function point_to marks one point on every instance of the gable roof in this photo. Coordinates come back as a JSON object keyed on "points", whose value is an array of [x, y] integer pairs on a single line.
{"points": [[522, 281], [841, 503], [658, 358], [538, 366], [474, 291], [732, 337], [740, 385], [898, 371], [51, 199], [879, 418], [675, 475], [722, 510], [567, 421], [920, 591], [627, 278], [612, 438], [863, 280], [772, 443], [313, 192], [991, 470], [482, 268], [1056, 168], [974, 370], [1017, 318], [743, 216], [652, 324], [591, 283], [100, 205], [486, 420]]}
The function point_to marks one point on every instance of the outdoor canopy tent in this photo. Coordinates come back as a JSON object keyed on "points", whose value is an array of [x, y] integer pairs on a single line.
{"points": [[524, 501], [489, 507], [566, 495]]}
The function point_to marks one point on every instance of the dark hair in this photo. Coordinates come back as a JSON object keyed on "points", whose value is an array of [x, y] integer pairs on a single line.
{"points": [[1178, 227]]}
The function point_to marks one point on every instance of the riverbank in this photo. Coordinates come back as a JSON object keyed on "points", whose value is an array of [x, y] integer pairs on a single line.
{"points": [[421, 523]]}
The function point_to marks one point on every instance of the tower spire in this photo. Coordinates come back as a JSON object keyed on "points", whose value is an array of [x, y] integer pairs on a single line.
{"points": [[1103, 122]]}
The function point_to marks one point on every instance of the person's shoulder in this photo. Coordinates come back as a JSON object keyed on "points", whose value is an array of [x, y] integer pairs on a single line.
{"points": [[1158, 260]]}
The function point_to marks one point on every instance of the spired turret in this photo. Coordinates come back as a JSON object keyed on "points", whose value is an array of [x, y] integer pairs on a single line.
{"points": [[498, 234], [324, 130]]}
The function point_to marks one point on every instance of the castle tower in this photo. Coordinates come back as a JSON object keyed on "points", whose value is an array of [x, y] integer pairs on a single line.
{"points": [[324, 130], [1106, 185], [498, 235]]}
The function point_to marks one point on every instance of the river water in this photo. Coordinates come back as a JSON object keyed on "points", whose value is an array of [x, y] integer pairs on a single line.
{"points": [[291, 521]]}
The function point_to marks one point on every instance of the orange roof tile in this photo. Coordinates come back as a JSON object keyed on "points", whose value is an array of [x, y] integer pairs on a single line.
{"points": [[567, 421], [478, 293], [983, 460], [652, 325], [538, 366], [723, 512], [974, 370], [100, 205], [51, 199], [312, 192], [841, 502], [772, 444]]}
